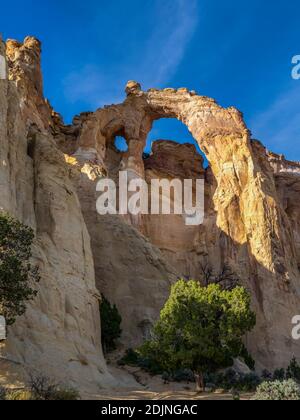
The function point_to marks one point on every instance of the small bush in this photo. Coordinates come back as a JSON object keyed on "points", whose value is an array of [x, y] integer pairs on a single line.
{"points": [[44, 389], [134, 358], [248, 359], [183, 375], [22, 395], [248, 383], [266, 375], [278, 391], [65, 394], [131, 358], [227, 380], [279, 375], [110, 325], [233, 381], [40, 388], [2, 393], [293, 371]]}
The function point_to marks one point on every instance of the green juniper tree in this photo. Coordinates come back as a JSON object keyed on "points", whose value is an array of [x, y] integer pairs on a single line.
{"points": [[110, 325], [16, 272], [201, 329]]}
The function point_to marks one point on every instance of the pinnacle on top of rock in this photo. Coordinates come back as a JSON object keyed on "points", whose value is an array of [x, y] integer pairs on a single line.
{"points": [[33, 43], [133, 87], [29, 42]]}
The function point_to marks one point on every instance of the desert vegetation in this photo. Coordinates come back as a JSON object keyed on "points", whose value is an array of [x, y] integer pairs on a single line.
{"points": [[199, 336], [200, 329], [40, 388], [287, 390], [110, 325], [17, 275]]}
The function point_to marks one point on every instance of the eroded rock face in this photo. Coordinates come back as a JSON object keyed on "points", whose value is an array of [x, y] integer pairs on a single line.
{"points": [[251, 219], [246, 224], [60, 334], [178, 242], [130, 271]]}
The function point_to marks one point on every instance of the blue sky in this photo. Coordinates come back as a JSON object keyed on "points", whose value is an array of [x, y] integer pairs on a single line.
{"points": [[236, 51]]}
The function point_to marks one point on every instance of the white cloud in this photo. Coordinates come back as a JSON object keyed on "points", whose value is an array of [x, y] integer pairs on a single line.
{"points": [[174, 23]]}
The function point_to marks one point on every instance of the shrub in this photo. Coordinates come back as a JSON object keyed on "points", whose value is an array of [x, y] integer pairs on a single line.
{"points": [[2, 393], [278, 391], [16, 272], [110, 325], [229, 380], [65, 394], [131, 358], [40, 388], [293, 371], [183, 375], [21, 395], [248, 383], [200, 329], [233, 381], [44, 389], [266, 375], [279, 375], [134, 358], [248, 359]]}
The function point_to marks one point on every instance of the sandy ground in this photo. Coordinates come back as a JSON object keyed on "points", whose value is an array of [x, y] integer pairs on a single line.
{"points": [[135, 384], [147, 395], [141, 386]]}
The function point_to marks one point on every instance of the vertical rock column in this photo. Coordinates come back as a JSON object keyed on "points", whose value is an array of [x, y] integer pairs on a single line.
{"points": [[4, 166]]}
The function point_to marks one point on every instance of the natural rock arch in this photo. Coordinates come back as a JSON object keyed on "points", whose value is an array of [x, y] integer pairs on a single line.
{"points": [[203, 117], [248, 212], [249, 220], [224, 138]]}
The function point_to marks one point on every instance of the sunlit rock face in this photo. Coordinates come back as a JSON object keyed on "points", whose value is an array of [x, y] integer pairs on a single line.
{"points": [[60, 334], [48, 178], [247, 224]]}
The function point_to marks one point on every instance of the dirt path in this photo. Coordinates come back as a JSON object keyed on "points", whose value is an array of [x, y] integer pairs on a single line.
{"points": [[115, 395]]}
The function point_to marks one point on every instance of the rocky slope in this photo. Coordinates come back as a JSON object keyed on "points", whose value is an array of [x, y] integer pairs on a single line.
{"points": [[48, 179]]}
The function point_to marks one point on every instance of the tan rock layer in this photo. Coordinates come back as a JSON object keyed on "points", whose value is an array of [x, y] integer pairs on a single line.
{"points": [[246, 224], [251, 219], [60, 335]]}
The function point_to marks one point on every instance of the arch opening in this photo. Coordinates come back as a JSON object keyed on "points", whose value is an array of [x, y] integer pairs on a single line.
{"points": [[121, 144], [171, 129]]}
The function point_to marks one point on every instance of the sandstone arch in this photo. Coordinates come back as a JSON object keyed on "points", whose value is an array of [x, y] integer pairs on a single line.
{"points": [[253, 228], [224, 138], [252, 220]]}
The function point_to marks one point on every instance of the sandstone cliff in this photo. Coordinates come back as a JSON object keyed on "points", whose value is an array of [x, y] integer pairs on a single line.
{"points": [[48, 178], [60, 334]]}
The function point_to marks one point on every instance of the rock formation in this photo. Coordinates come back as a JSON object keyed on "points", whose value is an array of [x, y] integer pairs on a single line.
{"points": [[60, 334], [48, 179], [246, 223]]}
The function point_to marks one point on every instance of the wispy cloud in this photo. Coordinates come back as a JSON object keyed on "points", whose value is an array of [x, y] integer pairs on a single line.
{"points": [[153, 63], [176, 23], [279, 125]]}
